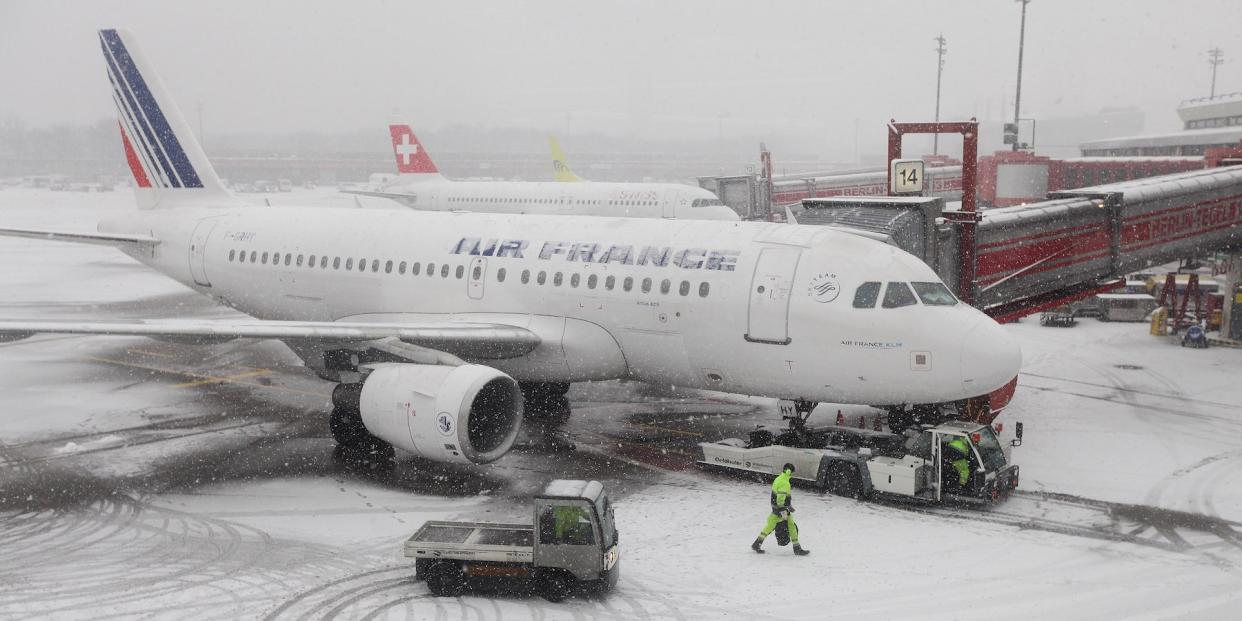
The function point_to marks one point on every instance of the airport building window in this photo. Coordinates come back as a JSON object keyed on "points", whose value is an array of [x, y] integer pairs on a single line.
{"points": [[388, 267], [934, 293], [461, 271], [401, 267], [557, 279], [665, 285], [646, 285], [264, 259], [627, 284], [866, 295], [591, 281], [610, 282], [574, 280], [500, 274], [232, 253], [704, 288], [543, 277], [299, 262], [898, 294], [684, 289], [525, 276]]}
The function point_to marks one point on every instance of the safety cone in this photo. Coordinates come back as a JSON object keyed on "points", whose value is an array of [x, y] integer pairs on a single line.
{"points": [[840, 418], [878, 426], [862, 422]]}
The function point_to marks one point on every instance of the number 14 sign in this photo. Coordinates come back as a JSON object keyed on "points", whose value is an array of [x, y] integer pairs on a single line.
{"points": [[907, 176]]}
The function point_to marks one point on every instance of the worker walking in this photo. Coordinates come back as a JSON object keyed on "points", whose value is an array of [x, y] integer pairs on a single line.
{"points": [[782, 511]]}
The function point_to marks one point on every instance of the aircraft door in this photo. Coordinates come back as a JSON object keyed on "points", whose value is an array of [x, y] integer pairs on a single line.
{"points": [[476, 278], [198, 252], [669, 205], [768, 319]]}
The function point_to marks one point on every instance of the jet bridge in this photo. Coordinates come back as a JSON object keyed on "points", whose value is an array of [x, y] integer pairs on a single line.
{"points": [[1072, 245]]}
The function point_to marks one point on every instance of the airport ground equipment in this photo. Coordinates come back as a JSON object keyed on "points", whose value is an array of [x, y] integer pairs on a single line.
{"points": [[1059, 317], [1195, 337], [571, 544], [860, 463]]}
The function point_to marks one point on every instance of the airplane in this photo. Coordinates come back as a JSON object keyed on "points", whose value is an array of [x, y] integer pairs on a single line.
{"points": [[560, 168], [444, 331], [421, 186]]}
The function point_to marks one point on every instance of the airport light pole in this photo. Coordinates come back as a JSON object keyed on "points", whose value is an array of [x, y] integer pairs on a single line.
{"points": [[1216, 58], [1017, 100], [940, 50]]}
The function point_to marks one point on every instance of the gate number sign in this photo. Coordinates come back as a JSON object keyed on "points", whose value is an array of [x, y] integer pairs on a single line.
{"points": [[907, 176]]}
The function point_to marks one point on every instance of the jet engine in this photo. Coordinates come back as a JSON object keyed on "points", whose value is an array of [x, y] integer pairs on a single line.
{"points": [[464, 414]]}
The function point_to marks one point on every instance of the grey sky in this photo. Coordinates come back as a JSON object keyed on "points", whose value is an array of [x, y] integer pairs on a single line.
{"points": [[679, 69]]}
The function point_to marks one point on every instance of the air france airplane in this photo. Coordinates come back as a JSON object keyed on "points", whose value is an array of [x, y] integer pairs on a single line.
{"points": [[444, 330], [421, 186]]}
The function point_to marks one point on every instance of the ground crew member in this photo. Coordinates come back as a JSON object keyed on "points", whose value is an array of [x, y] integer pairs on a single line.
{"points": [[960, 460], [782, 510]]}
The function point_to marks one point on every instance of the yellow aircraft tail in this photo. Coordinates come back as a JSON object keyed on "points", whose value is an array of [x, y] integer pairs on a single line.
{"points": [[560, 169]]}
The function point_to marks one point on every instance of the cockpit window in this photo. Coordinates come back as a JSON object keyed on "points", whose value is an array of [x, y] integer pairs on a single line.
{"points": [[866, 295], [934, 293], [705, 202], [898, 294]]}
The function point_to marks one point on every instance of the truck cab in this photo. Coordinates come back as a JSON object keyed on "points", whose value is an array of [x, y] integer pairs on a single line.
{"points": [[927, 468]]}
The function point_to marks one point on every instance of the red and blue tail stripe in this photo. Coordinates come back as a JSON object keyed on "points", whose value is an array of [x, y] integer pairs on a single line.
{"points": [[151, 146]]}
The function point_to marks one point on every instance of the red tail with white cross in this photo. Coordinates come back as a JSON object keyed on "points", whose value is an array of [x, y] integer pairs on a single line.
{"points": [[412, 158]]}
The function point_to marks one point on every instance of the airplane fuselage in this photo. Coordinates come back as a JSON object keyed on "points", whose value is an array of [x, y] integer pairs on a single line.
{"points": [[751, 308]]}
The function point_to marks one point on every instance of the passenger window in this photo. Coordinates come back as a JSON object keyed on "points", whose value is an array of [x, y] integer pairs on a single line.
{"points": [[898, 294], [349, 264], [646, 285], [431, 269], [299, 262], [866, 295], [684, 289], [574, 280], [388, 267], [415, 269], [288, 257], [934, 293], [591, 281], [231, 254], [543, 277], [665, 285], [401, 267], [336, 263], [704, 288], [500, 274], [310, 261], [461, 271], [444, 270], [375, 265], [557, 279], [628, 283], [253, 254], [525, 276], [264, 260], [362, 265]]}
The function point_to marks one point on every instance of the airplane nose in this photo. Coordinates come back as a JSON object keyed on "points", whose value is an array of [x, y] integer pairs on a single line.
{"points": [[990, 357]]}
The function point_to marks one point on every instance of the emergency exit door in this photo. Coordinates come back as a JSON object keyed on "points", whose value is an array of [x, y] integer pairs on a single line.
{"points": [[768, 319], [198, 252], [476, 278]]}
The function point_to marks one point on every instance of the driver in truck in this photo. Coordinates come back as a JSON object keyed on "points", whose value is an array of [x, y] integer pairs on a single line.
{"points": [[958, 454], [782, 510]]}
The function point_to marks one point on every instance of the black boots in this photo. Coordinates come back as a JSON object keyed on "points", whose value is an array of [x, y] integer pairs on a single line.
{"points": [[799, 551], [757, 546]]}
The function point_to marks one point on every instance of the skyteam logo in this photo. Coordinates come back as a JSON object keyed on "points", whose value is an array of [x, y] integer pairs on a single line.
{"points": [[824, 288], [154, 154]]}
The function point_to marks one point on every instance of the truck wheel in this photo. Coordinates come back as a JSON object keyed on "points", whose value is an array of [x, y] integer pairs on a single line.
{"points": [[445, 579], [555, 586], [843, 480]]}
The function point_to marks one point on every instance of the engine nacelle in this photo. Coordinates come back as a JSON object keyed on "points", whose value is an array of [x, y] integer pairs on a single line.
{"points": [[464, 414]]}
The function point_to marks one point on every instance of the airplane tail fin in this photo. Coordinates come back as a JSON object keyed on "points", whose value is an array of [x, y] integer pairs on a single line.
{"points": [[168, 164], [560, 168], [412, 159]]}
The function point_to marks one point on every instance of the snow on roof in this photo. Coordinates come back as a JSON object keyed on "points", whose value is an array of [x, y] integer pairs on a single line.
{"points": [[570, 488], [1213, 135], [1125, 296]]}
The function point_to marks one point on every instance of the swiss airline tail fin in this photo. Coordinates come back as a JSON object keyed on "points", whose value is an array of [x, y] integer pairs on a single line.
{"points": [[560, 169], [169, 166], [412, 158]]}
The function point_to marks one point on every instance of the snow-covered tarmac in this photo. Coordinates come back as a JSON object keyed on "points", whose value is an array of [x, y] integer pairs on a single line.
{"points": [[145, 479]]}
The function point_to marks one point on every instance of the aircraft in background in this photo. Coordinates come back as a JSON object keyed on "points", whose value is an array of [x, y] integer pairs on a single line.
{"points": [[419, 185], [444, 331], [560, 168]]}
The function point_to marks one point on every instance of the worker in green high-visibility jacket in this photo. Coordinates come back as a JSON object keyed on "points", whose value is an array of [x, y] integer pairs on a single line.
{"points": [[959, 458], [782, 511]]}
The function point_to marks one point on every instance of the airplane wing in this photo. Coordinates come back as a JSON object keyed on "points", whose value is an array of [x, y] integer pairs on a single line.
{"points": [[404, 199], [99, 239], [472, 340]]}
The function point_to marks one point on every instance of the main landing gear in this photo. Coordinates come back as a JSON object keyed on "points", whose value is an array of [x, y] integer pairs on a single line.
{"points": [[348, 430], [546, 412]]}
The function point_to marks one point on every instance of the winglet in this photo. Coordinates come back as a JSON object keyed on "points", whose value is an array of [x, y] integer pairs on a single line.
{"points": [[560, 168], [412, 158], [167, 162]]}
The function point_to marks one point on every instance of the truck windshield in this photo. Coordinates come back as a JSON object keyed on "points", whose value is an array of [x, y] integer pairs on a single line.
{"points": [[989, 448], [604, 508]]}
